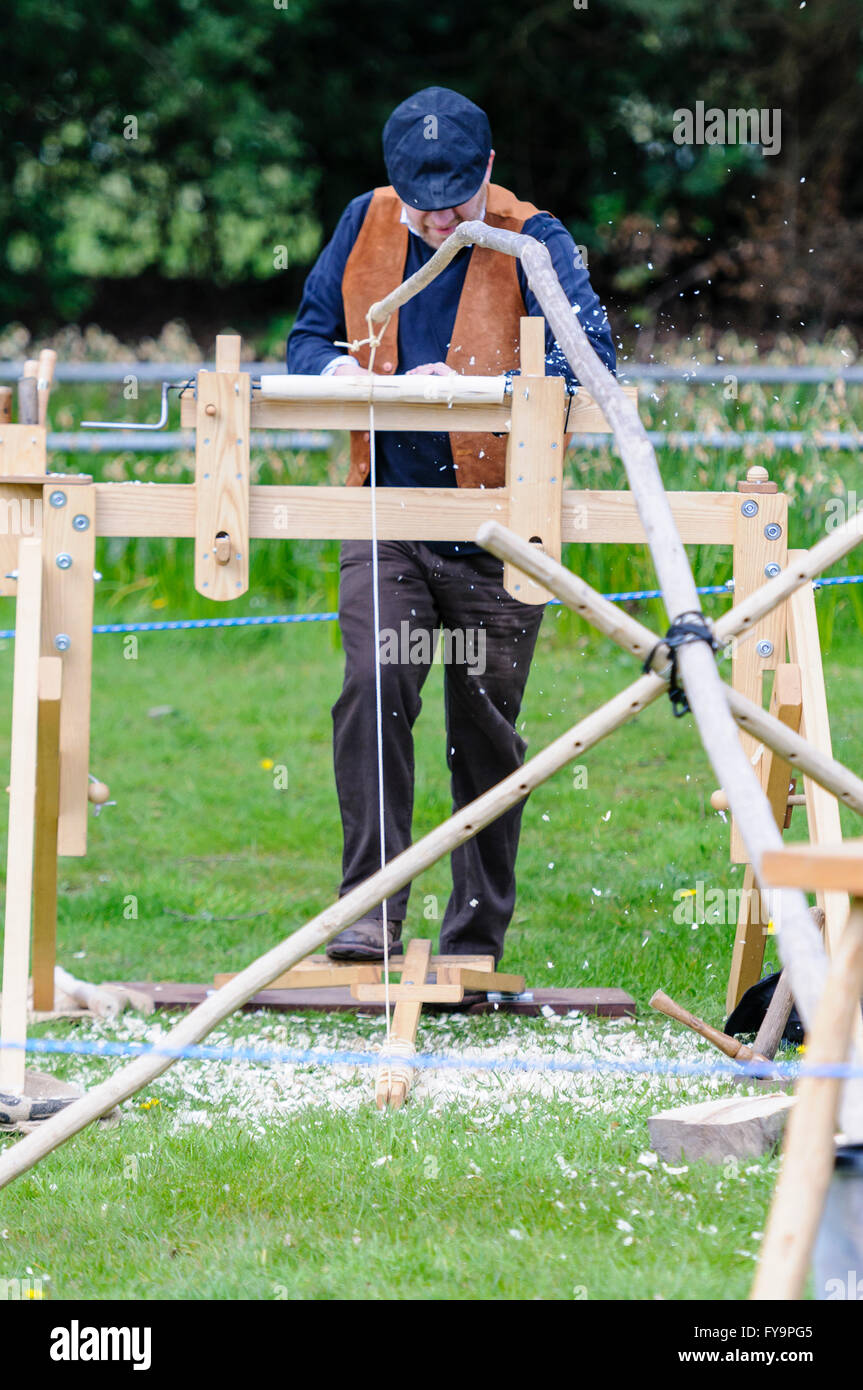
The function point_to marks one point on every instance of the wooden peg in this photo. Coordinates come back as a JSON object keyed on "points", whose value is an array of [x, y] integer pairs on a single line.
{"points": [[98, 793], [5, 405], [223, 548]]}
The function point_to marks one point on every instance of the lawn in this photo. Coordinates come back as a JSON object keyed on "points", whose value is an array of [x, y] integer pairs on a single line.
{"points": [[283, 1182]]}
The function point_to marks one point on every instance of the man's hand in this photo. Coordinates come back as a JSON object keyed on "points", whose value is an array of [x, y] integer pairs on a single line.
{"points": [[432, 369], [351, 368]]}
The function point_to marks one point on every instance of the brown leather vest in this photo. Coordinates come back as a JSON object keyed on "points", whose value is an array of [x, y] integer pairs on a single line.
{"points": [[485, 336]]}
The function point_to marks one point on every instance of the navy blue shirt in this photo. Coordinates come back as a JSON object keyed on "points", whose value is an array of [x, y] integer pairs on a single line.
{"points": [[425, 326]]}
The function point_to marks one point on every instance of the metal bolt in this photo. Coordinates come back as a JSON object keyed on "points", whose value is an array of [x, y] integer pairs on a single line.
{"points": [[750, 507], [62, 642], [80, 522], [773, 530], [764, 648], [772, 569], [57, 499], [64, 561]]}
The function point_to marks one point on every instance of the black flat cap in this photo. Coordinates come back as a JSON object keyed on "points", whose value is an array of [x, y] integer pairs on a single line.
{"points": [[436, 149]]}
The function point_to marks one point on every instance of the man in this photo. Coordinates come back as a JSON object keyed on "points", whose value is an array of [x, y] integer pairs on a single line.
{"points": [[438, 154]]}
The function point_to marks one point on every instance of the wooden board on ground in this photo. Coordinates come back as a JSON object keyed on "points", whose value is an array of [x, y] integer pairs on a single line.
{"points": [[608, 1003], [735, 1127]]}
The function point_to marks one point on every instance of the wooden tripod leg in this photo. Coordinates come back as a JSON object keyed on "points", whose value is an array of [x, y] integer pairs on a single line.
{"points": [[45, 848], [822, 809], [807, 1166], [786, 704], [391, 1089], [22, 805]]}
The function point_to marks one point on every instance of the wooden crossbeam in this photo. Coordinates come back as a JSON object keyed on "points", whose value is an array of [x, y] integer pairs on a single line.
{"points": [[304, 512]]}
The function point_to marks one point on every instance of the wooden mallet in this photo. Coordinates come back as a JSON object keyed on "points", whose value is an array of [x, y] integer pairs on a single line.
{"points": [[730, 1046]]}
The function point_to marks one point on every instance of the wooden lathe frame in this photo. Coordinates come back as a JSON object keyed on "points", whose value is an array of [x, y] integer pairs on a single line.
{"points": [[224, 512]]}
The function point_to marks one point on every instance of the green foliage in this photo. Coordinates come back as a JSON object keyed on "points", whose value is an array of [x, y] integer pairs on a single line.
{"points": [[173, 141]]}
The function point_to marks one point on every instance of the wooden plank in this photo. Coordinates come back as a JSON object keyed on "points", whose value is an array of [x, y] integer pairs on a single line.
{"points": [[22, 454], [702, 518], [333, 976], [22, 807], [601, 1002], [425, 993], [22, 449], [753, 551], [716, 1130], [750, 939], [222, 484], [497, 981], [305, 512], [534, 461], [67, 612], [829, 868], [822, 809], [45, 847]]}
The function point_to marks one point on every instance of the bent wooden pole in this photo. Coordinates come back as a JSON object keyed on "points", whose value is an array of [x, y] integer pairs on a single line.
{"points": [[807, 1163], [321, 929]]}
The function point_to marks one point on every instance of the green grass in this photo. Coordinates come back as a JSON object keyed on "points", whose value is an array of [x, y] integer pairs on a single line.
{"points": [[284, 1182], [171, 1206]]}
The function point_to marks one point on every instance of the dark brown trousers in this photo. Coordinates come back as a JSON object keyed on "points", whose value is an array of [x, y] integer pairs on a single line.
{"points": [[486, 659]]}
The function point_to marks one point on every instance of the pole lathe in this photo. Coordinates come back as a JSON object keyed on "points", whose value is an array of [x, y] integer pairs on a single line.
{"points": [[706, 693]]}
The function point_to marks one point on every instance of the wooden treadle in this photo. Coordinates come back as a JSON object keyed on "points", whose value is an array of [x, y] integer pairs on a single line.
{"points": [[608, 1003]]}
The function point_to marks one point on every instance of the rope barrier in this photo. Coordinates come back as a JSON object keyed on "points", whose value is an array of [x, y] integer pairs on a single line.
{"points": [[445, 1061], [279, 619]]}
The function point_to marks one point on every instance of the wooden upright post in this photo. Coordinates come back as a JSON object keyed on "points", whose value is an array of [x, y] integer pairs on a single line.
{"points": [[22, 806], [760, 549], [223, 414], [748, 955], [535, 459], [45, 848], [822, 809]]}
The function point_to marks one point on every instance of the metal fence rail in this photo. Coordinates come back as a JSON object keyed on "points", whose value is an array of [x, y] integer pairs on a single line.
{"points": [[696, 372]]}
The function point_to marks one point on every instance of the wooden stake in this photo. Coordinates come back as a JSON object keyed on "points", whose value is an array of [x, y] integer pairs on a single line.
{"points": [[22, 805]]}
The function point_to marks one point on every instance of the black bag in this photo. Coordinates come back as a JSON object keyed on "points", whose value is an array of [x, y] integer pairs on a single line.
{"points": [[749, 1014]]}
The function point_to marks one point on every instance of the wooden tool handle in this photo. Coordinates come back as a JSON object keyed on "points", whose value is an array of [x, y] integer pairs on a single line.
{"points": [[28, 401], [730, 1046], [45, 380]]}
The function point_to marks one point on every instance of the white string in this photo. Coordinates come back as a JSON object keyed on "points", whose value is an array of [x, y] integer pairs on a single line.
{"points": [[374, 341]]}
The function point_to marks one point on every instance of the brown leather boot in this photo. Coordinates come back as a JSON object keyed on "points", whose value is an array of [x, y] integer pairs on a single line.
{"points": [[365, 941]]}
